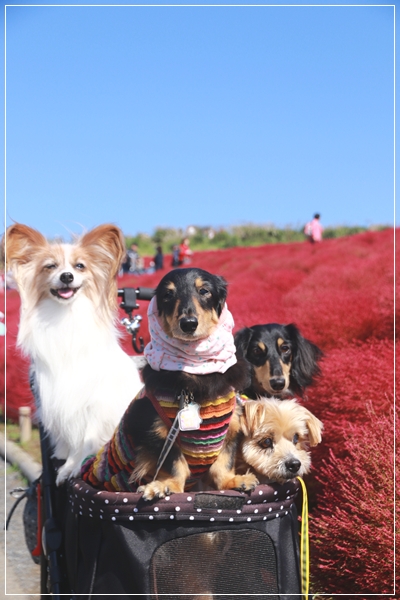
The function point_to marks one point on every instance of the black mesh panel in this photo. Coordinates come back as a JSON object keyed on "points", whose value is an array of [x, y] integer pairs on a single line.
{"points": [[222, 562]]}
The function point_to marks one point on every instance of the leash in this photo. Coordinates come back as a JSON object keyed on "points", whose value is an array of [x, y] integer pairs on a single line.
{"points": [[187, 419], [304, 544]]}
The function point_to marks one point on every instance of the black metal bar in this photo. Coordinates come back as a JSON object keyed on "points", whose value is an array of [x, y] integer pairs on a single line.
{"points": [[52, 532]]}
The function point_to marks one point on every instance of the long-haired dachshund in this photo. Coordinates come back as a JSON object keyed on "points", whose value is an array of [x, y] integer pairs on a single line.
{"points": [[190, 383], [283, 362]]}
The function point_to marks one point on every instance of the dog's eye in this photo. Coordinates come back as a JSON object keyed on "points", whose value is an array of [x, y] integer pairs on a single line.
{"points": [[295, 438], [204, 292], [285, 348], [168, 294], [80, 266], [257, 351], [50, 266], [267, 443]]}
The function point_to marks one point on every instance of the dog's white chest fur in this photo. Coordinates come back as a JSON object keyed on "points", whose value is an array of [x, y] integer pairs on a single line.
{"points": [[85, 380]]}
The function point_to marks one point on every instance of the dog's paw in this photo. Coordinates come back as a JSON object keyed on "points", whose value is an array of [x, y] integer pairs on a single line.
{"points": [[63, 474], [155, 489], [244, 483]]}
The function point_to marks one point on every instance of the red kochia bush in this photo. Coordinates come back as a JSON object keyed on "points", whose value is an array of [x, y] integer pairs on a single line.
{"points": [[352, 528], [353, 376]]}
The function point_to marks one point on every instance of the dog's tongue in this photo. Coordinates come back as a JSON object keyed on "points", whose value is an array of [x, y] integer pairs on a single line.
{"points": [[65, 293]]}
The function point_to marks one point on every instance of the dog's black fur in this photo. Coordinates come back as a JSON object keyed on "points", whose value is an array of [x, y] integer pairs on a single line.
{"points": [[283, 362], [181, 298]]}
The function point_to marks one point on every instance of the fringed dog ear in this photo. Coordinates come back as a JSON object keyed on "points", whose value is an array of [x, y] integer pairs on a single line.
{"points": [[108, 238], [306, 356], [222, 292], [242, 340], [19, 243], [315, 427], [250, 417]]}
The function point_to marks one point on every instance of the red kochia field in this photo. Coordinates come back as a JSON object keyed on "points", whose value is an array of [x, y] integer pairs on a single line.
{"points": [[340, 294]]}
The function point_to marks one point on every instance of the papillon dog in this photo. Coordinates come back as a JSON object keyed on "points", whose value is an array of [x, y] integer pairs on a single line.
{"points": [[68, 328]]}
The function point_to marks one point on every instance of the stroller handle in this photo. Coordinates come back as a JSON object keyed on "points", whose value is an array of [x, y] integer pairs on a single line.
{"points": [[129, 304], [142, 293]]}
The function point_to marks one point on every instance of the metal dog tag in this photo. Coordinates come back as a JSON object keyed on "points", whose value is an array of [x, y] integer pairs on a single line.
{"points": [[189, 417]]}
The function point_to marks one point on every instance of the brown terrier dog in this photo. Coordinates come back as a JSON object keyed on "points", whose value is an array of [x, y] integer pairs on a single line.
{"points": [[275, 439]]}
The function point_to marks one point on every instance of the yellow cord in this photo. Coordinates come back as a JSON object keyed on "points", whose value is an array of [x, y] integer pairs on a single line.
{"points": [[304, 544]]}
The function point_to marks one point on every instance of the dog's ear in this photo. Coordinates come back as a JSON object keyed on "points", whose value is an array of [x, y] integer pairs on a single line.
{"points": [[222, 292], [314, 426], [19, 244], [306, 356], [110, 241], [250, 416], [242, 340]]}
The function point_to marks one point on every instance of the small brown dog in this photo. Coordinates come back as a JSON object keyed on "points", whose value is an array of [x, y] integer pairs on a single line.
{"points": [[276, 436]]}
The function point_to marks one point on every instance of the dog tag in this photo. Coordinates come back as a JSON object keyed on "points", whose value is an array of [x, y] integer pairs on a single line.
{"points": [[189, 417]]}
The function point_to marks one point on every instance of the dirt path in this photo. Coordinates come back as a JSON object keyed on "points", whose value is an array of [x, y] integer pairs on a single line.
{"points": [[20, 575]]}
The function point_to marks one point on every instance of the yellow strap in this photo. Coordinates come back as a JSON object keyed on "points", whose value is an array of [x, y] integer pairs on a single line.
{"points": [[304, 544]]}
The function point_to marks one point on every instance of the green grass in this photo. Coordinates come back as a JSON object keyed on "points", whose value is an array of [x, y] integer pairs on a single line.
{"points": [[207, 238]]}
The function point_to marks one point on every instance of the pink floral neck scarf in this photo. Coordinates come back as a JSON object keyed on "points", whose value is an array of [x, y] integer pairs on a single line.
{"points": [[214, 354]]}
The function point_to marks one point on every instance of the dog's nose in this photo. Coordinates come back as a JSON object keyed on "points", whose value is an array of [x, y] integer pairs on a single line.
{"points": [[277, 383], [293, 465], [188, 324], [66, 277]]}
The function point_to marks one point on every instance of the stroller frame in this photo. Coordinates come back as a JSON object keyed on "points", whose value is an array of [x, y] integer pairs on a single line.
{"points": [[224, 516]]}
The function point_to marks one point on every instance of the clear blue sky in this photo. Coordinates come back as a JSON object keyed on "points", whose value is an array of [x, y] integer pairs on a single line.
{"points": [[211, 115]]}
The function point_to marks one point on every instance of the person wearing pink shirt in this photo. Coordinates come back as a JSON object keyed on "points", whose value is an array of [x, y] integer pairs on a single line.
{"points": [[314, 229]]}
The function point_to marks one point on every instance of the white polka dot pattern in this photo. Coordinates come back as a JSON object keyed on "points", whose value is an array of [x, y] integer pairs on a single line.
{"points": [[265, 503]]}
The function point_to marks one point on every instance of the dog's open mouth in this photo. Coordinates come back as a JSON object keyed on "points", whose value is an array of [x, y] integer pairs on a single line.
{"points": [[64, 293]]}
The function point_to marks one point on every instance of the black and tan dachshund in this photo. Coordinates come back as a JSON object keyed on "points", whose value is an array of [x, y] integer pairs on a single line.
{"points": [[283, 362], [192, 372]]}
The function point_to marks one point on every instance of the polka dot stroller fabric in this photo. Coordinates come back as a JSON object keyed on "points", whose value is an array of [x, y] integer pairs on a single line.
{"points": [[208, 543]]}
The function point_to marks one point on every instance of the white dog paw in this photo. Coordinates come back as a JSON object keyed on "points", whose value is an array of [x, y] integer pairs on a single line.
{"points": [[63, 474]]}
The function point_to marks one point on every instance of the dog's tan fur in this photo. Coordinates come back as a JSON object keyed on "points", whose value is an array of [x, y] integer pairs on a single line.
{"points": [[263, 373], [285, 425], [222, 474]]}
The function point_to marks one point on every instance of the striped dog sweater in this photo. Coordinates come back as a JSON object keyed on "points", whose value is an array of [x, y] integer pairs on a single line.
{"points": [[113, 465]]}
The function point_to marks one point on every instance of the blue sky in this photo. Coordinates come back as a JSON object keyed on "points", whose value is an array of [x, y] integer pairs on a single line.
{"points": [[211, 115]]}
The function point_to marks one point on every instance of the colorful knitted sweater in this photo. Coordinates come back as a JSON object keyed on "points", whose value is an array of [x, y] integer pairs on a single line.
{"points": [[113, 465]]}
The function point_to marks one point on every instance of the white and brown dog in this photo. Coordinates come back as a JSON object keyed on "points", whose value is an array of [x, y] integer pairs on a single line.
{"points": [[68, 329]]}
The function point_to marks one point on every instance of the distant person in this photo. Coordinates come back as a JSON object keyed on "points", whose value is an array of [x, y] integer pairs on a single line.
{"points": [[175, 256], [158, 259], [184, 252], [134, 258], [125, 265], [313, 230]]}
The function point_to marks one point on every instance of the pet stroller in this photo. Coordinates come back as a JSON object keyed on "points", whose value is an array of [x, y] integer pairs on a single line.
{"points": [[206, 544]]}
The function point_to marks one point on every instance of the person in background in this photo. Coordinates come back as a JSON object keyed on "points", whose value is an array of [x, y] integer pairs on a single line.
{"points": [[125, 265], [133, 254], [184, 252], [175, 256], [158, 259], [313, 230]]}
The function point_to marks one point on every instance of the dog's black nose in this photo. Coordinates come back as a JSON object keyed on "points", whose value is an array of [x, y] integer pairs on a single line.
{"points": [[66, 277], [293, 465], [188, 324], [277, 383]]}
